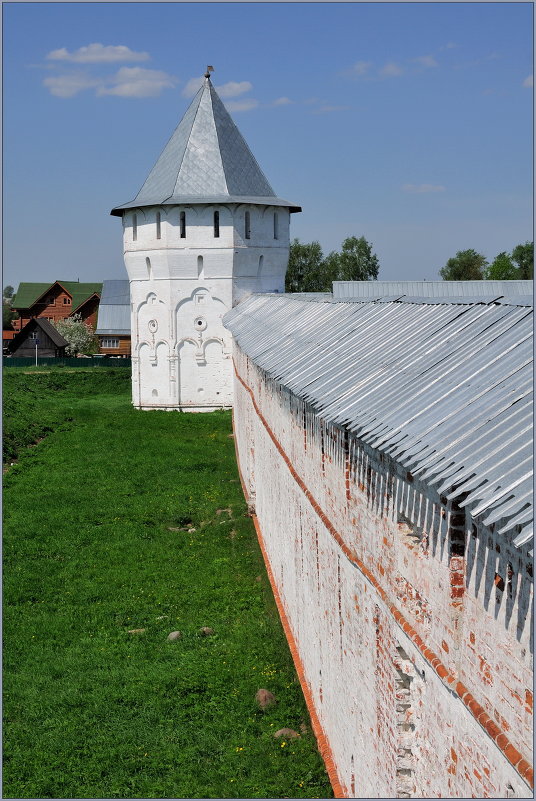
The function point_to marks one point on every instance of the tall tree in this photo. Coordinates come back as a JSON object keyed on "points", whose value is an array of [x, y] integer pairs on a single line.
{"points": [[357, 262], [502, 269], [309, 271], [8, 292], [466, 265], [304, 272], [523, 255]]}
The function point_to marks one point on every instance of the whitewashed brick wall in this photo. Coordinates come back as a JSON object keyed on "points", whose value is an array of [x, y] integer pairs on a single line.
{"points": [[418, 665], [180, 289]]}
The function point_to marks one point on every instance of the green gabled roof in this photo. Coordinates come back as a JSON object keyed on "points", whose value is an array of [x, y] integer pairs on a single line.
{"points": [[29, 292]]}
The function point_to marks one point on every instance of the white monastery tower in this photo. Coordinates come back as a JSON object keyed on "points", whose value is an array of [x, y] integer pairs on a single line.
{"points": [[205, 230]]}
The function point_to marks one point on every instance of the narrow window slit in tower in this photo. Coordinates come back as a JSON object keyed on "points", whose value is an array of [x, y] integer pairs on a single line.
{"points": [[158, 225], [276, 226], [182, 219], [134, 227], [247, 226], [200, 273], [216, 224]]}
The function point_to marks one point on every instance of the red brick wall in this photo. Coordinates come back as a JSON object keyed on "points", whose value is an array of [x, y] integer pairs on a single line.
{"points": [[421, 678]]}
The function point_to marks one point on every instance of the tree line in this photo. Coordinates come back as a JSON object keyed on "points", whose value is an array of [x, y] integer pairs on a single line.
{"points": [[310, 271], [468, 265]]}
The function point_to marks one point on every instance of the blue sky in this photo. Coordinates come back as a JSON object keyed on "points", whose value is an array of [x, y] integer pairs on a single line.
{"points": [[407, 123]]}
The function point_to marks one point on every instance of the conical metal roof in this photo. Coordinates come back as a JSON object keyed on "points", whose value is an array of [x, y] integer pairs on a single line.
{"points": [[206, 161]]}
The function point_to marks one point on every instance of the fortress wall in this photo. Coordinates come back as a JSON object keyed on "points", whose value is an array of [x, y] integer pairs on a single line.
{"points": [[415, 661]]}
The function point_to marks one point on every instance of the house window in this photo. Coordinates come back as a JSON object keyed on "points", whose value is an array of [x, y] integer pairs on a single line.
{"points": [[183, 224], [51, 300], [276, 226], [216, 224], [134, 227], [247, 226], [33, 335], [158, 225], [66, 301], [109, 342]]}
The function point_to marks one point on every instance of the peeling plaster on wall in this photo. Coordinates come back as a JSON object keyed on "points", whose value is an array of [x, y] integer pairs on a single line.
{"points": [[371, 589]]}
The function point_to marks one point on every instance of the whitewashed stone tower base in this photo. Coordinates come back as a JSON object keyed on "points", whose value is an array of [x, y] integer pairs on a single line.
{"points": [[204, 231]]}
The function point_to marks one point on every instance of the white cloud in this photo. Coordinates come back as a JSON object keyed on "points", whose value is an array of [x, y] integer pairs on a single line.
{"points": [[330, 109], [97, 54], [422, 188], [449, 46], [282, 101], [70, 85], [242, 105], [226, 90], [529, 81], [137, 82], [192, 86], [360, 68], [233, 88], [426, 61], [391, 70]]}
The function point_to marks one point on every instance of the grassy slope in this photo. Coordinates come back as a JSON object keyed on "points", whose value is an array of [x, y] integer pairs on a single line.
{"points": [[94, 712]]}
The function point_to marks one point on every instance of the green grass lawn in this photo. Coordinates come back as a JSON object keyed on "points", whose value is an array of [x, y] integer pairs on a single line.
{"points": [[119, 520]]}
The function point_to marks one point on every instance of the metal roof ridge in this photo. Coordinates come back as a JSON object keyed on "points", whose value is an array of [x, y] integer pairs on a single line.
{"points": [[200, 93]]}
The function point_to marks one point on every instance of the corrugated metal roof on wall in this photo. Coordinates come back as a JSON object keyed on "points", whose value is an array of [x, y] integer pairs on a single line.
{"points": [[445, 389], [442, 289]]}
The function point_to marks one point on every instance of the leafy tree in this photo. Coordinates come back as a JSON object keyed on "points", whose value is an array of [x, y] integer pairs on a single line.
{"points": [[309, 271], [357, 262], [305, 265], [466, 265], [523, 255], [8, 315], [8, 292], [502, 269], [79, 335]]}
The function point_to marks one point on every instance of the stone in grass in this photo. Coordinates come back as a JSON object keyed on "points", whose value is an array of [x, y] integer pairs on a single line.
{"points": [[174, 635], [137, 631], [265, 698], [206, 631], [290, 734]]}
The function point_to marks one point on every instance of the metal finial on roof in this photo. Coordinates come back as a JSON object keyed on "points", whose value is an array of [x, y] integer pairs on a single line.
{"points": [[209, 70]]}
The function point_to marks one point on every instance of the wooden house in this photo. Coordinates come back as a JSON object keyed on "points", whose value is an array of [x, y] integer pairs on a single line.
{"points": [[37, 333], [56, 301], [113, 322]]}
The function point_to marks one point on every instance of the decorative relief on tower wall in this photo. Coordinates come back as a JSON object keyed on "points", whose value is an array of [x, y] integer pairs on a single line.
{"points": [[203, 349], [191, 240]]}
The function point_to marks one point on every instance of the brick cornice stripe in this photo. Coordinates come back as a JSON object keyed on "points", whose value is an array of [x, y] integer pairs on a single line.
{"points": [[516, 759]]}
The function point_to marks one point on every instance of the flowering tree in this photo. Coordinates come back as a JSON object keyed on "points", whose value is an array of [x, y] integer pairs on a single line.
{"points": [[79, 335]]}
